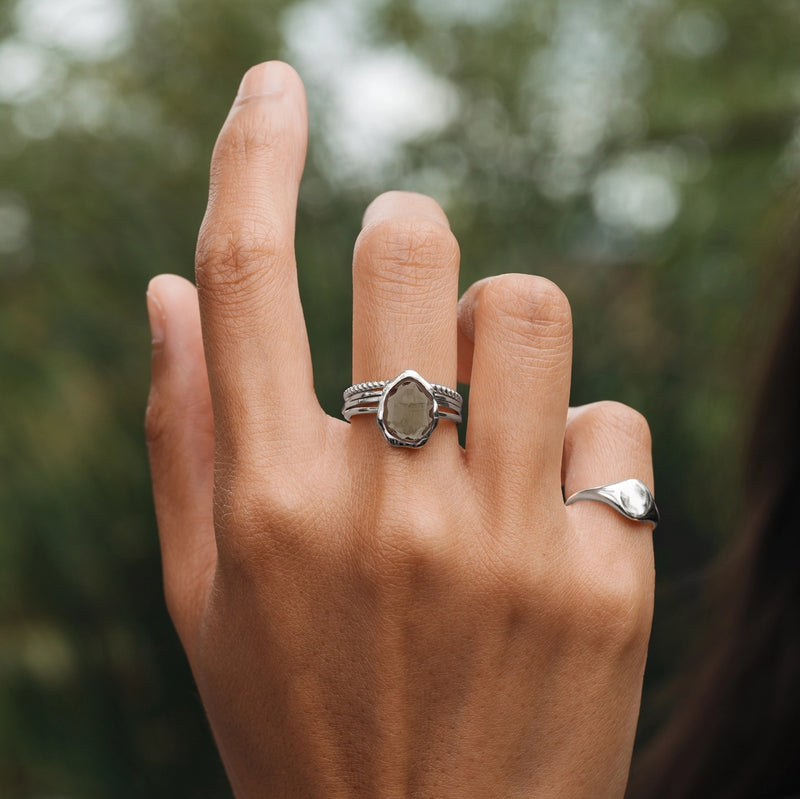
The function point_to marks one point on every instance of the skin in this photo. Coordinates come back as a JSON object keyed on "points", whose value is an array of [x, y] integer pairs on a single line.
{"points": [[364, 620]]}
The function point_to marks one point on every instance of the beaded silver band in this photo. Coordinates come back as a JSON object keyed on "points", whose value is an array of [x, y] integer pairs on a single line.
{"points": [[379, 385]]}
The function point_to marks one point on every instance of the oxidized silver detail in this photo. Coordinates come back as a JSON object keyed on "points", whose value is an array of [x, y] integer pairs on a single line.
{"points": [[408, 408], [631, 498]]}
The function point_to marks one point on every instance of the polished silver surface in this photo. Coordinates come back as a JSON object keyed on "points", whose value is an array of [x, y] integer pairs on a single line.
{"points": [[408, 408], [631, 498]]}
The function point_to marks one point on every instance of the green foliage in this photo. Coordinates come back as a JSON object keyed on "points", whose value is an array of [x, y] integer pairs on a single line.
{"points": [[638, 153]]}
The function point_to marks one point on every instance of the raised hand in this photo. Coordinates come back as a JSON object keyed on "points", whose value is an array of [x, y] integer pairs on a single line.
{"points": [[365, 620]]}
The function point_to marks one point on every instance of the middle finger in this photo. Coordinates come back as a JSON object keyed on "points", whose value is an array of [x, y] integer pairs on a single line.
{"points": [[405, 294]]}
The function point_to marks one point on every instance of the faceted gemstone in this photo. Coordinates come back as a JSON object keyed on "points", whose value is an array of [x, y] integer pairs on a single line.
{"points": [[408, 411], [633, 497]]}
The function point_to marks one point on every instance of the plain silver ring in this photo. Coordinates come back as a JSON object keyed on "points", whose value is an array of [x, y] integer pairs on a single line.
{"points": [[632, 498]]}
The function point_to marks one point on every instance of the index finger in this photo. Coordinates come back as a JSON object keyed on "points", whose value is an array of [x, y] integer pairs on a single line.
{"points": [[254, 333]]}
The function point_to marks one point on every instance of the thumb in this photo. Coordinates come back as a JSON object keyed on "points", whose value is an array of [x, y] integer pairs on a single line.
{"points": [[180, 439]]}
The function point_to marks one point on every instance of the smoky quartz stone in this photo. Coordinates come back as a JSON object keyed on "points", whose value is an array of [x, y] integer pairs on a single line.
{"points": [[407, 413]]}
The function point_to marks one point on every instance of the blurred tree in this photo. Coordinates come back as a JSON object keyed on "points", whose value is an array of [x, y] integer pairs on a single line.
{"points": [[639, 153]]}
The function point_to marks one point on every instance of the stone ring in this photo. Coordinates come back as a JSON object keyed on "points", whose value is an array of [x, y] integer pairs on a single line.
{"points": [[631, 498], [408, 407]]}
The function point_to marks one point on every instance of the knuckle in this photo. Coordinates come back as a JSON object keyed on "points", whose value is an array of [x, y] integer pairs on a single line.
{"points": [[406, 249], [232, 261], [626, 613], [288, 512], [265, 516], [412, 547], [239, 504], [529, 313], [249, 505], [250, 133], [580, 596], [527, 302], [619, 421], [612, 608]]}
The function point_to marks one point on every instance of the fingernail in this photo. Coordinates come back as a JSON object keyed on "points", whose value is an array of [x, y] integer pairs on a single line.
{"points": [[263, 79], [155, 312]]}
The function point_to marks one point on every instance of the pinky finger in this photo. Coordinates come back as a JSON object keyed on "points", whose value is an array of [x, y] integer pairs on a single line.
{"points": [[607, 442]]}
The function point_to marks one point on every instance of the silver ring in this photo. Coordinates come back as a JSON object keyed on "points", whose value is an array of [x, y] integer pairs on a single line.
{"points": [[408, 408], [631, 498]]}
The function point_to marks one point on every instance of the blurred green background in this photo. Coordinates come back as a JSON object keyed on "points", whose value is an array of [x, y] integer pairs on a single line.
{"points": [[641, 153]]}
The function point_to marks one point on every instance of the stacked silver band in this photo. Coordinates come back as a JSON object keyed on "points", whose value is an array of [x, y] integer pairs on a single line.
{"points": [[407, 408], [364, 398]]}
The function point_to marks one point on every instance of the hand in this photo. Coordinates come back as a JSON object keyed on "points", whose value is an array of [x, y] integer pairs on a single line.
{"points": [[364, 620]]}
